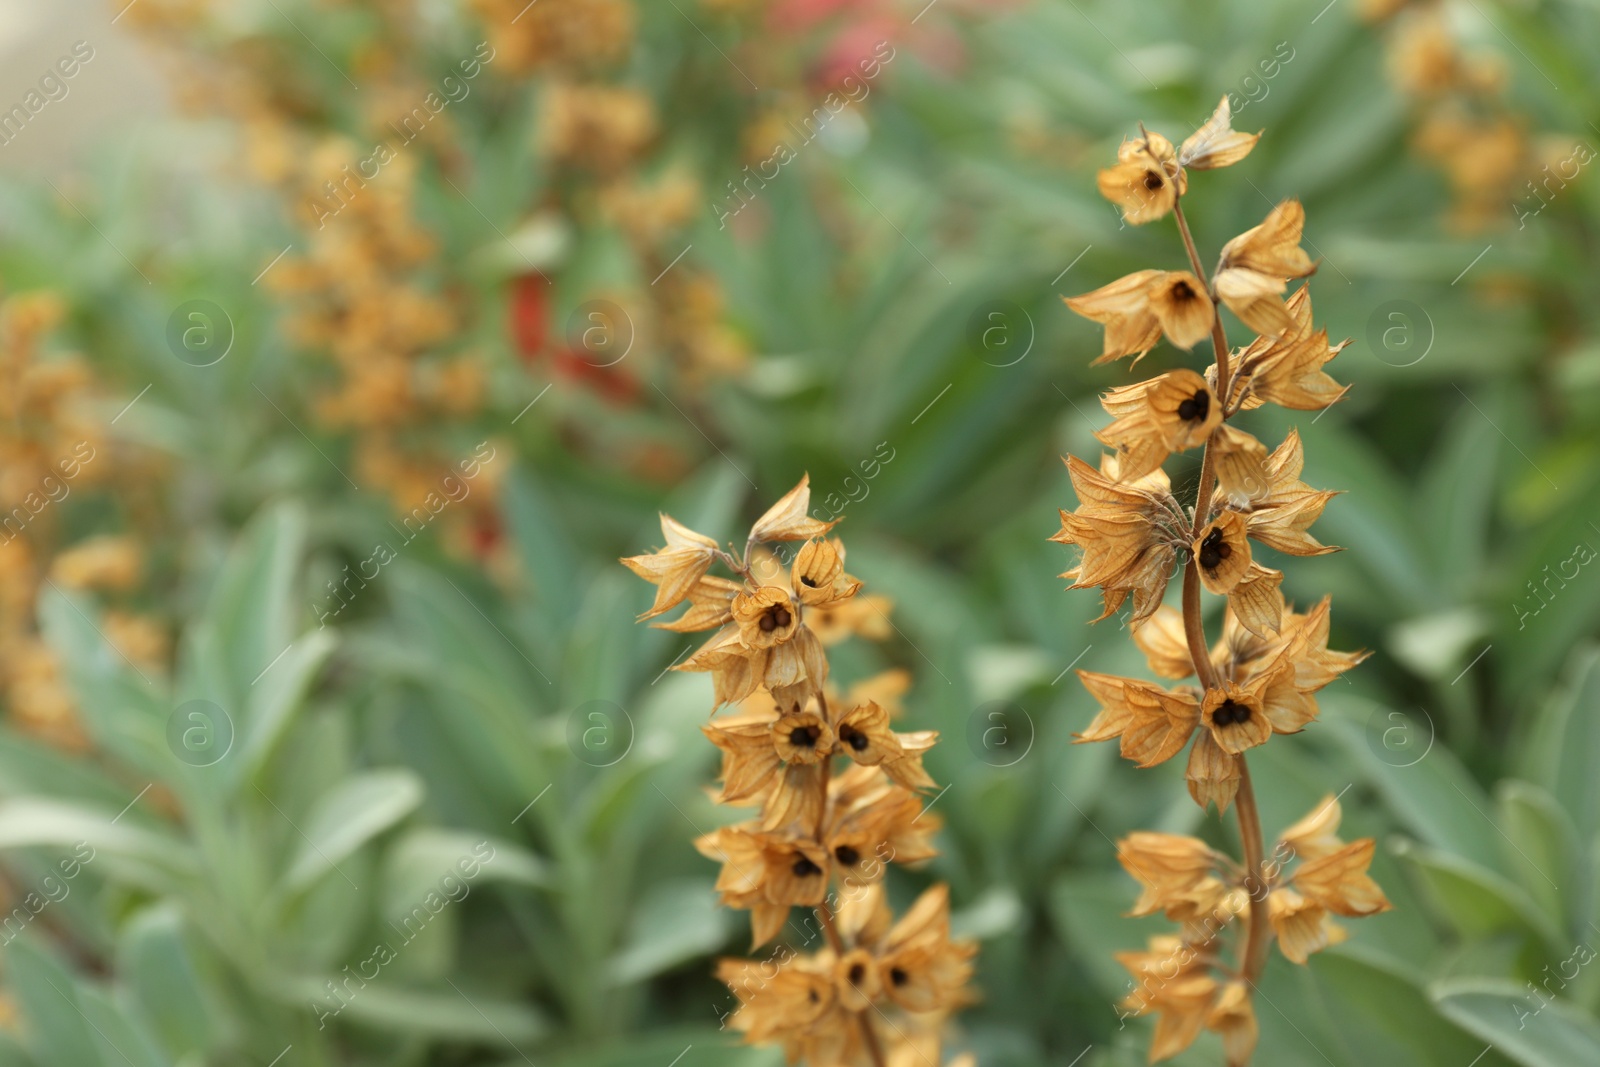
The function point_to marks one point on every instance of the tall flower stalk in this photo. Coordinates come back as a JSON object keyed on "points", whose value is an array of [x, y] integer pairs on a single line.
{"points": [[1260, 678], [838, 798]]}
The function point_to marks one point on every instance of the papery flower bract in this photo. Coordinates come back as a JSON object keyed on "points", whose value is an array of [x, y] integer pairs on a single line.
{"points": [[787, 519], [1212, 774], [1216, 144], [1167, 866], [920, 968], [1256, 267], [1241, 466], [1234, 1017], [1282, 516], [1287, 369], [1223, 550], [1169, 413], [1153, 723], [1146, 181], [766, 874], [675, 569], [1171, 980], [1137, 309], [1127, 537]]}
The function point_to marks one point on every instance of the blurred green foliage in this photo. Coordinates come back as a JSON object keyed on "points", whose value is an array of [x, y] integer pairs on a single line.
{"points": [[369, 759]]}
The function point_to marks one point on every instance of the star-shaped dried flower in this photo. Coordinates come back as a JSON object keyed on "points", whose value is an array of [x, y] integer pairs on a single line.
{"points": [[1169, 413], [1287, 370], [676, 568], [1137, 309], [1128, 532], [1146, 182]]}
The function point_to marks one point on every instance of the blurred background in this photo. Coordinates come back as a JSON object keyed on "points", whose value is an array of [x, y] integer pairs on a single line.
{"points": [[346, 344]]}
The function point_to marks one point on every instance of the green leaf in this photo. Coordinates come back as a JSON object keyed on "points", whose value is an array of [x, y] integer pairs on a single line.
{"points": [[154, 959], [1477, 902], [123, 1041], [1430, 793], [276, 696], [1564, 746], [1397, 1020], [353, 814], [676, 921], [252, 607], [461, 1013], [152, 859], [58, 1035], [1518, 1023], [1540, 847]]}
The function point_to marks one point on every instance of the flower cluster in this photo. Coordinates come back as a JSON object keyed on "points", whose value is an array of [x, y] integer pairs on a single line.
{"points": [[1261, 677], [1312, 876], [1466, 123], [837, 798], [53, 444]]}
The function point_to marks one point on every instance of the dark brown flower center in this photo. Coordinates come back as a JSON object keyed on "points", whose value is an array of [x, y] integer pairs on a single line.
{"points": [[847, 855], [898, 976], [804, 868], [804, 736], [854, 738], [858, 971], [1230, 713], [776, 618], [1213, 550], [1197, 407], [1181, 290], [808, 581], [1153, 181]]}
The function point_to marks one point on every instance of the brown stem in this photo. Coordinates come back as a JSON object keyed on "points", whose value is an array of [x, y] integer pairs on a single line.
{"points": [[870, 1037], [1193, 629], [1254, 955]]}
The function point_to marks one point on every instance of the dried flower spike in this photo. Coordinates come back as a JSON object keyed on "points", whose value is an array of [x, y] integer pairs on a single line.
{"points": [[838, 798], [1261, 677]]}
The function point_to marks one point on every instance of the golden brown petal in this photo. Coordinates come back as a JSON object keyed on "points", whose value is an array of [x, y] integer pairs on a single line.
{"points": [[1123, 308], [766, 617], [1241, 466], [1165, 865], [1166, 649], [676, 568], [1339, 881], [1183, 307], [710, 605], [1234, 1018], [749, 762], [855, 975], [818, 575], [1302, 926], [1223, 552], [787, 519], [1212, 774], [1317, 834], [1282, 703], [1216, 144], [1152, 722], [1256, 299], [1272, 248], [1257, 601], [1235, 718], [1140, 184], [802, 737], [1169, 413]]}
